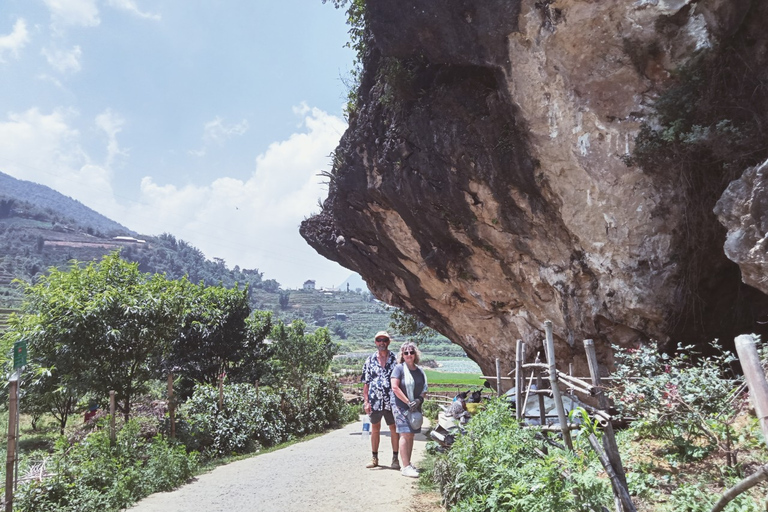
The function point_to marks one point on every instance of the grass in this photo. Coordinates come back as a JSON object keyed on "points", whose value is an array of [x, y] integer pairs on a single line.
{"points": [[458, 379]]}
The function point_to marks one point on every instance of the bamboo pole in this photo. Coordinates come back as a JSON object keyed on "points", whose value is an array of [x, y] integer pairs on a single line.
{"points": [[518, 379], [171, 406], [498, 377], [555, 388], [542, 413], [112, 407], [609, 439], [619, 489], [221, 392], [755, 377], [746, 484], [10, 461]]}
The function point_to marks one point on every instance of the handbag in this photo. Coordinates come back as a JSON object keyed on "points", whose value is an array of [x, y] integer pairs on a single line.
{"points": [[415, 419]]}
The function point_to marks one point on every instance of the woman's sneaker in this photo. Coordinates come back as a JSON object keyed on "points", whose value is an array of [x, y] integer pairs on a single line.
{"points": [[409, 471]]}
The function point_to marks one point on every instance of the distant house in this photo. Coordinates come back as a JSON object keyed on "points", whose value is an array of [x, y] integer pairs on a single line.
{"points": [[309, 285], [342, 317]]}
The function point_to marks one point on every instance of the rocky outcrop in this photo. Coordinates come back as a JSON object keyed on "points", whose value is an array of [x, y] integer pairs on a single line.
{"points": [[743, 210], [486, 183]]}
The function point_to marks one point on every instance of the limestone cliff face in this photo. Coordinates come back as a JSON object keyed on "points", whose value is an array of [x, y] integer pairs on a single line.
{"points": [[483, 183]]}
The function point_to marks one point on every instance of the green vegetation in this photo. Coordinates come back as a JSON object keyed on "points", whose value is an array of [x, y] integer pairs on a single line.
{"points": [[463, 380], [691, 440], [107, 326]]}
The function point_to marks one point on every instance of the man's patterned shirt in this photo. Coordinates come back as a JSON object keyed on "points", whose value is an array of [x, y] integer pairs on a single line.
{"points": [[379, 385]]}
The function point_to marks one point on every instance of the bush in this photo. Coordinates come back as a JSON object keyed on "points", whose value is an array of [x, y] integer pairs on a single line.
{"points": [[250, 418], [494, 468], [688, 405], [95, 476]]}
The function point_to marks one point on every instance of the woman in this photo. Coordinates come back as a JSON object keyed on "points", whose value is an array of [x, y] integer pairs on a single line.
{"points": [[409, 386]]}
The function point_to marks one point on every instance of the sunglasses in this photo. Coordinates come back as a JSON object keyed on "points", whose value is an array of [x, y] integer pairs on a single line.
{"points": [[382, 340], [409, 352]]}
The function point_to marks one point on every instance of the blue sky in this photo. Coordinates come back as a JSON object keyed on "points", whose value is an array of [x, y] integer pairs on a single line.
{"points": [[207, 119]]}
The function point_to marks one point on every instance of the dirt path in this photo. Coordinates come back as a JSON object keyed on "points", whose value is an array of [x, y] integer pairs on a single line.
{"points": [[325, 474]]}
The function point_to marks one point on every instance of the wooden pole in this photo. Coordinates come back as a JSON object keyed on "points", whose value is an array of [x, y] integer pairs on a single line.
{"points": [[171, 406], [542, 413], [618, 489], [609, 439], [498, 377], [112, 409], [745, 485], [755, 377], [555, 388], [221, 392], [518, 380], [10, 459]]}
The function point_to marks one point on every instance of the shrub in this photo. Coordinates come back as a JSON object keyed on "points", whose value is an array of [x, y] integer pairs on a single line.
{"points": [[494, 468], [249, 418], [94, 476], [689, 406]]}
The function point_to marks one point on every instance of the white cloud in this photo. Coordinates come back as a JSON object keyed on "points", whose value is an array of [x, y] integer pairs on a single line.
{"points": [[15, 41], [111, 124], [74, 12], [254, 222], [130, 6], [216, 132], [44, 148], [64, 61]]}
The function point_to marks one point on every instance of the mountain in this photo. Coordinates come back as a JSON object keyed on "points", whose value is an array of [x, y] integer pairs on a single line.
{"points": [[57, 205]]}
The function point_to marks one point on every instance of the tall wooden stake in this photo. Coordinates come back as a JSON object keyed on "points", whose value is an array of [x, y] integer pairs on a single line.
{"points": [[171, 406], [609, 439], [112, 411], [10, 461], [221, 392], [753, 373], [519, 409], [498, 377], [555, 388]]}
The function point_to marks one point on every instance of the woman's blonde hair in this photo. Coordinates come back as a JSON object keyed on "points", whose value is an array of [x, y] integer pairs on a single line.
{"points": [[411, 345]]}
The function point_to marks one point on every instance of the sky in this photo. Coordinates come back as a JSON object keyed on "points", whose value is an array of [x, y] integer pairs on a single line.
{"points": [[207, 119]]}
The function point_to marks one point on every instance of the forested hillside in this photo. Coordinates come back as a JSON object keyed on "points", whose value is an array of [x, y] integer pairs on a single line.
{"points": [[41, 228]]}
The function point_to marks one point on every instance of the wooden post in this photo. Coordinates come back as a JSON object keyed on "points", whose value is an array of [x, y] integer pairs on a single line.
{"points": [[619, 490], [609, 439], [10, 459], [112, 409], [555, 388], [542, 413], [171, 406], [755, 377], [570, 374], [498, 377], [519, 380], [221, 392]]}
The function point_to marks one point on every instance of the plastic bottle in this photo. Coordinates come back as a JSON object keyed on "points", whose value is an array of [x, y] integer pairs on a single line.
{"points": [[366, 426]]}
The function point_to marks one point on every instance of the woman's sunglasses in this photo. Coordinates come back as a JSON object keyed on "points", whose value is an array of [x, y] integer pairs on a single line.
{"points": [[409, 352]]}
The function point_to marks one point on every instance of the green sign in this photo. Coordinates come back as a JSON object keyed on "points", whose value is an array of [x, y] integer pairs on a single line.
{"points": [[19, 354]]}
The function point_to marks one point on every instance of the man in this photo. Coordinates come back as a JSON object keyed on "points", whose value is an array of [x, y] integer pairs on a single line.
{"points": [[376, 392]]}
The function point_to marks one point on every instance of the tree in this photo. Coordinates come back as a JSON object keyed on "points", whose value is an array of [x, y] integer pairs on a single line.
{"points": [[408, 325], [285, 297], [102, 327], [298, 354], [212, 336]]}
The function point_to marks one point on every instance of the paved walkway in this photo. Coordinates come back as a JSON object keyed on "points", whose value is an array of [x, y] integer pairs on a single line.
{"points": [[325, 474]]}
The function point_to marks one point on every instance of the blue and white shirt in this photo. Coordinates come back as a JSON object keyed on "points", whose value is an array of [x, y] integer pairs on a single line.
{"points": [[379, 385]]}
